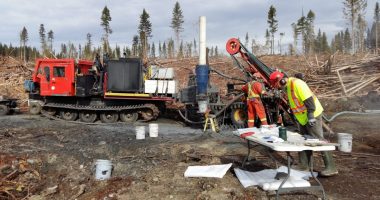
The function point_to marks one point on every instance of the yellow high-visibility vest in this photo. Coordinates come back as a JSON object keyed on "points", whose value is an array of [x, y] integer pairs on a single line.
{"points": [[298, 92], [251, 93]]}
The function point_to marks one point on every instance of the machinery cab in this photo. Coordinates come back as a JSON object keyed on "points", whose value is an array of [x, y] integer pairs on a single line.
{"points": [[56, 77]]}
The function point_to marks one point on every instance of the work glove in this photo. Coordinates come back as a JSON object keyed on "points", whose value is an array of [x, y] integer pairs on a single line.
{"points": [[312, 121]]}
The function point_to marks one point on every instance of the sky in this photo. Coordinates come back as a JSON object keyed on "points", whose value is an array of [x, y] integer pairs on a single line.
{"points": [[71, 20]]}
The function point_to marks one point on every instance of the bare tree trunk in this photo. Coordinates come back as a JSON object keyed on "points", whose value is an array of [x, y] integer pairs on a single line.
{"points": [[376, 37]]}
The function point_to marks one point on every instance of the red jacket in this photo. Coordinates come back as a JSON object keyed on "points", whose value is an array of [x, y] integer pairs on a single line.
{"points": [[256, 89]]}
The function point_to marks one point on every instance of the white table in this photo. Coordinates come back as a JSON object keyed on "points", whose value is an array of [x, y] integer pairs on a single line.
{"points": [[295, 143]]}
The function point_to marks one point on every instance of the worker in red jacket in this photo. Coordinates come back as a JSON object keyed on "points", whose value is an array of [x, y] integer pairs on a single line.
{"points": [[254, 90]]}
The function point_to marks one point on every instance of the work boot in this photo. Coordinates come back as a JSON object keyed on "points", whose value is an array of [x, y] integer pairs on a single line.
{"points": [[303, 161], [330, 169]]}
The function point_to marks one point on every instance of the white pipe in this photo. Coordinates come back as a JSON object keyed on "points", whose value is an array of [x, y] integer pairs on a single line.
{"points": [[202, 40]]}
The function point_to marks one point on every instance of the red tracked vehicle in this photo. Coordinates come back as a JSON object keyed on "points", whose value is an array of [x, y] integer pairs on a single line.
{"points": [[110, 90]]}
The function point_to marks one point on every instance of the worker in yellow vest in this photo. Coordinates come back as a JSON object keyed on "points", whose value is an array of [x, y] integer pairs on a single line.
{"points": [[308, 111]]}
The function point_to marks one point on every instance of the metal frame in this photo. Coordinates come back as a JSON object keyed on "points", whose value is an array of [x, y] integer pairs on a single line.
{"points": [[290, 159]]}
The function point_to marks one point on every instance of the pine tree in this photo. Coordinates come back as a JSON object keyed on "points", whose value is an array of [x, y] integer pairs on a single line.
{"points": [[171, 48], [309, 40], [246, 40], [180, 50], [351, 10], [273, 25], [376, 19], [189, 49], [63, 53], [216, 53], [145, 31], [177, 21], [117, 52], [324, 44], [318, 42], [105, 23], [43, 39], [195, 48], [301, 26], [164, 51], [88, 46], [267, 39], [153, 51], [24, 38], [128, 52], [135, 43], [50, 40], [159, 49]]}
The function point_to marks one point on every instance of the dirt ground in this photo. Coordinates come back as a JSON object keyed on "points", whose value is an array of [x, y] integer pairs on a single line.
{"points": [[55, 160]]}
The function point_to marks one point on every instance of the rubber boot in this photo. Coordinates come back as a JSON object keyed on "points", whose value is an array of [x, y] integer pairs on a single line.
{"points": [[330, 169], [303, 161]]}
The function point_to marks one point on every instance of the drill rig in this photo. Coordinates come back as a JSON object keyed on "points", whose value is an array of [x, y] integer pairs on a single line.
{"points": [[233, 113]]}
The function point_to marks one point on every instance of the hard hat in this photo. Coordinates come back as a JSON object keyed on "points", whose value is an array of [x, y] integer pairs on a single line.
{"points": [[275, 77]]}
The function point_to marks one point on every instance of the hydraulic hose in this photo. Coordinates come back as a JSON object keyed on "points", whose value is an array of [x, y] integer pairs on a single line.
{"points": [[226, 76], [366, 112], [188, 120], [216, 114]]}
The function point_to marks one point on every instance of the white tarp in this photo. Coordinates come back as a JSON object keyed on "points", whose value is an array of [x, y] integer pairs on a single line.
{"points": [[247, 178], [212, 171], [266, 178]]}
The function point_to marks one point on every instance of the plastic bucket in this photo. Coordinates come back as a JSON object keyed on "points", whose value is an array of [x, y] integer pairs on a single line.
{"points": [[345, 142], [140, 132], [202, 72], [103, 169], [153, 130]]}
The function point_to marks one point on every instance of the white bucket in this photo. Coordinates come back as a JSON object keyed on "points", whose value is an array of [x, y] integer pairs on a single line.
{"points": [[153, 130], [345, 141], [103, 169], [140, 132]]}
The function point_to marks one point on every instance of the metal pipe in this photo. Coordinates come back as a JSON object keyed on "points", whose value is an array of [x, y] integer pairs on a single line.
{"points": [[202, 41]]}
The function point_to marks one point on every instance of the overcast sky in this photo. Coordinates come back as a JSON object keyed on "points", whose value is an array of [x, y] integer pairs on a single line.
{"points": [[71, 20]]}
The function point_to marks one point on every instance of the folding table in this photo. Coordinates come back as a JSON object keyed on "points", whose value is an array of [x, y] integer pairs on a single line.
{"points": [[293, 144]]}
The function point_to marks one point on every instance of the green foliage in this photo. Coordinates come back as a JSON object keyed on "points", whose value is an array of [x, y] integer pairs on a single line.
{"points": [[351, 11], [273, 25], [305, 27], [105, 23], [145, 31], [50, 40], [164, 51], [160, 54], [145, 25], [105, 20], [30, 53], [23, 39], [43, 39], [135, 43], [246, 40], [177, 21], [180, 50], [87, 47], [153, 51]]}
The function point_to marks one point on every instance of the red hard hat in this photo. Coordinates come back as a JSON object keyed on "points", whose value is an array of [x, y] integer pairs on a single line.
{"points": [[275, 77]]}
